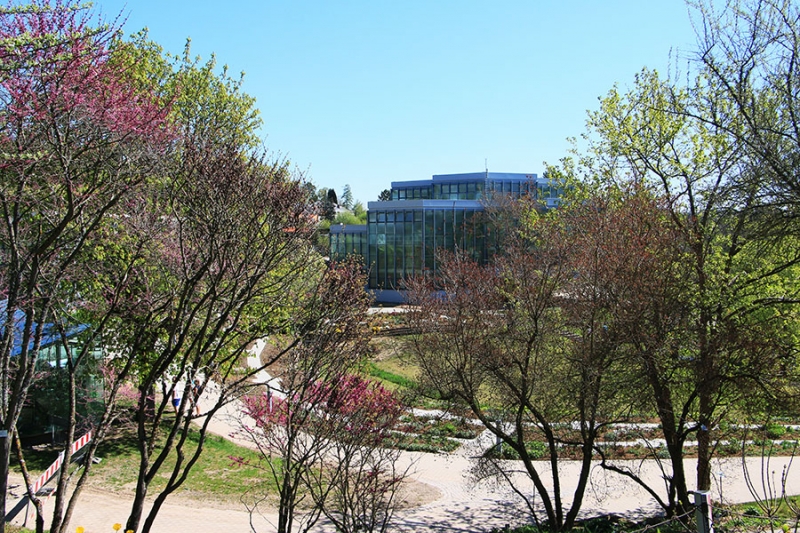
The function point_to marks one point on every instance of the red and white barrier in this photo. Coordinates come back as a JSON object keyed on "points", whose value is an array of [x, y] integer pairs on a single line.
{"points": [[47, 474], [53, 468], [81, 442]]}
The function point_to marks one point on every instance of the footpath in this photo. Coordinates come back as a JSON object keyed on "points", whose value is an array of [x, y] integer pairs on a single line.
{"points": [[451, 499], [444, 494]]}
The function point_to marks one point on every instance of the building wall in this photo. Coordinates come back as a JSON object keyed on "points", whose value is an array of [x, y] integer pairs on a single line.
{"points": [[403, 239], [402, 236]]}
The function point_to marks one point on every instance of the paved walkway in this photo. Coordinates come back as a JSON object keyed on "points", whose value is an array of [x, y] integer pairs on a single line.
{"points": [[459, 504]]}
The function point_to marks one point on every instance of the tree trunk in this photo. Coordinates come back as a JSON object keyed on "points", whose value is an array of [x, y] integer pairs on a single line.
{"points": [[704, 443], [679, 503], [58, 525], [5, 454], [37, 503], [580, 490], [137, 508]]}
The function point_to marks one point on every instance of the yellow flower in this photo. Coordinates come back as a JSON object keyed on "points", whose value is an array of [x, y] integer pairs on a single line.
{"points": [[79, 529], [117, 527], [128, 531]]}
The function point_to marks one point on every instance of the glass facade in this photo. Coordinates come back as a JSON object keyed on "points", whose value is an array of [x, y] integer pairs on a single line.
{"points": [[348, 240], [403, 242], [411, 193], [402, 236]]}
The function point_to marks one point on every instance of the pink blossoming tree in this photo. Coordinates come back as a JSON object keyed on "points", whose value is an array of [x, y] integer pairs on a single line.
{"points": [[322, 435], [76, 139]]}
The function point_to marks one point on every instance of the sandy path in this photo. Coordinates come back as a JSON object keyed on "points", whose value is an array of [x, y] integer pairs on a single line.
{"points": [[451, 499], [462, 506]]}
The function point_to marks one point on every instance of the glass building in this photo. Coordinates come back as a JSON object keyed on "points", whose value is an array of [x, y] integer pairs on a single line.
{"points": [[45, 416], [402, 235]]}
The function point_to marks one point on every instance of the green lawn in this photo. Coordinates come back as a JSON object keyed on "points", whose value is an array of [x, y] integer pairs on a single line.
{"points": [[215, 476], [391, 365]]}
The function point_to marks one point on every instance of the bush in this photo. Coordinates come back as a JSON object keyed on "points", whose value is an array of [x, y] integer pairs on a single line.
{"points": [[536, 450], [775, 431]]}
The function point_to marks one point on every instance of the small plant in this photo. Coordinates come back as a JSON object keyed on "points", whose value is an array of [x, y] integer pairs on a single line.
{"points": [[536, 449], [775, 431], [662, 452]]}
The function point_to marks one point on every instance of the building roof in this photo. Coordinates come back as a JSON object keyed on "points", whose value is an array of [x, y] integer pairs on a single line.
{"points": [[50, 331], [467, 177]]}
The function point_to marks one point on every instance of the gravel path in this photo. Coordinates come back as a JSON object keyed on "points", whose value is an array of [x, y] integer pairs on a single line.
{"points": [[450, 500]]}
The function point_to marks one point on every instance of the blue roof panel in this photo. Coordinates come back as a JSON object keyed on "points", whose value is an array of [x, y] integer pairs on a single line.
{"points": [[50, 331]]}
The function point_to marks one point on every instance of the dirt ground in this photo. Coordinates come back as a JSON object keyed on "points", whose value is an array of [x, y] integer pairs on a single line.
{"points": [[441, 495]]}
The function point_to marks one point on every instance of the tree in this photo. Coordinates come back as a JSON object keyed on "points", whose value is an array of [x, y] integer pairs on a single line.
{"points": [[227, 233], [356, 489], [77, 139], [385, 195], [335, 452], [532, 343], [325, 426], [151, 270], [360, 212], [233, 248], [347, 197], [747, 62], [326, 198], [634, 260], [346, 218], [733, 307], [331, 198]]}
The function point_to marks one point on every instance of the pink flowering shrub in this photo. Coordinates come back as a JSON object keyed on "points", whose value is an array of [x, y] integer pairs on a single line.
{"points": [[350, 407], [329, 437]]}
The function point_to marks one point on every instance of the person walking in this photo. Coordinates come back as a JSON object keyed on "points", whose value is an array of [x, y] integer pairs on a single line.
{"points": [[196, 396], [176, 398]]}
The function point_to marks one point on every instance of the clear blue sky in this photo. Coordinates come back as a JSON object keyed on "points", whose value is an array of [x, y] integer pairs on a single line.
{"points": [[368, 92]]}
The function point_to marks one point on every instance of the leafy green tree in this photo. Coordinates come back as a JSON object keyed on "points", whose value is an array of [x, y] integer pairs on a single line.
{"points": [[360, 212], [347, 197], [732, 308], [346, 218]]}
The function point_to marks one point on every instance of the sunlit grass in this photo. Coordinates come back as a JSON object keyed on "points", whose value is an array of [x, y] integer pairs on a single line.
{"points": [[216, 475]]}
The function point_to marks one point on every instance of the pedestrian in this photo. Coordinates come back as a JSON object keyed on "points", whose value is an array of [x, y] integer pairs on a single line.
{"points": [[196, 396], [176, 398]]}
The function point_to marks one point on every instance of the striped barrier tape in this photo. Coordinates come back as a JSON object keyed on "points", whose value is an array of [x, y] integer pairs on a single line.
{"points": [[53, 468], [47, 474], [81, 442]]}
